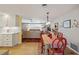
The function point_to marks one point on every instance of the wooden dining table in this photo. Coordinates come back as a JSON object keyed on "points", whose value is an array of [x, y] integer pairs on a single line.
{"points": [[47, 42]]}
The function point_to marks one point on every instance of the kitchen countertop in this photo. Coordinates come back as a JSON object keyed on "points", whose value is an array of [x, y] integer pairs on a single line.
{"points": [[8, 32]]}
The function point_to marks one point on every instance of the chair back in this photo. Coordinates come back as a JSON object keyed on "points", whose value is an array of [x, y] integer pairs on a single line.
{"points": [[59, 45]]}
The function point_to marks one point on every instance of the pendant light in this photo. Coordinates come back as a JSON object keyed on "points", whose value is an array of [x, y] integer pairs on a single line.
{"points": [[47, 13], [48, 22]]}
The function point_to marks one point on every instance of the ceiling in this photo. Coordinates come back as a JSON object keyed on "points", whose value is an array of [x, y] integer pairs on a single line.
{"points": [[38, 11]]}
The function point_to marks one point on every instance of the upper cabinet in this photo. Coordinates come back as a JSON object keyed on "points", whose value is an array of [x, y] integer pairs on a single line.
{"points": [[11, 21], [8, 20], [1, 21]]}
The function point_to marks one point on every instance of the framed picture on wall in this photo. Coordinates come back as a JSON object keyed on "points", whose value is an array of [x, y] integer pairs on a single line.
{"points": [[67, 24]]}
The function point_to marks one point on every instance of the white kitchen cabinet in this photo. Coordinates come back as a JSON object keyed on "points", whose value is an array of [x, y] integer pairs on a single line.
{"points": [[7, 20], [8, 40], [11, 22], [1, 21]]}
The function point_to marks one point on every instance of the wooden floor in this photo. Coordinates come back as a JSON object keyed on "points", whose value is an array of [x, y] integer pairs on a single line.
{"points": [[30, 48], [26, 48]]}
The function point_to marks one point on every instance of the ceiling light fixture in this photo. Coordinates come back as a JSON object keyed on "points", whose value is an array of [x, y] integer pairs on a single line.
{"points": [[47, 13], [47, 16], [44, 5]]}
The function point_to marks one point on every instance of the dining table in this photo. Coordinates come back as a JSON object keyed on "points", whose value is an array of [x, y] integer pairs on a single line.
{"points": [[47, 43]]}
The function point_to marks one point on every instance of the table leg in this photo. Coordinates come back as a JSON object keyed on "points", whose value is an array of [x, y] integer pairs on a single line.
{"points": [[45, 49]]}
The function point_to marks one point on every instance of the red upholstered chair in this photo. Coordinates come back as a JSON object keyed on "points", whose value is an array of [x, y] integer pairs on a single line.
{"points": [[58, 46]]}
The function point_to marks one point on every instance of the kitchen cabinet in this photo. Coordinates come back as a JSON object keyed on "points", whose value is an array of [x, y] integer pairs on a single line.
{"points": [[8, 40], [8, 20], [11, 21], [1, 21]]}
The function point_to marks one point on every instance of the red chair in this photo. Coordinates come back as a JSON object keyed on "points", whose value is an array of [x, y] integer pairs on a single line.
{"points": [[50, 35], [58, 46], [42, 44]]}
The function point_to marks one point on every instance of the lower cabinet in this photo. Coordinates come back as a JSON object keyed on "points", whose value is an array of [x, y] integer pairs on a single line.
{"points": [[8, 40]]}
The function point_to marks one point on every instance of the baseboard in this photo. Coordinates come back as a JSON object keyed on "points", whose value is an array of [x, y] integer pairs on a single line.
{"points": [[73, 49], [31, 39]]}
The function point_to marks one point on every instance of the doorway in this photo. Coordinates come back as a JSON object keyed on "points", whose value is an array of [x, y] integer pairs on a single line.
{"points": [[31, 30]]}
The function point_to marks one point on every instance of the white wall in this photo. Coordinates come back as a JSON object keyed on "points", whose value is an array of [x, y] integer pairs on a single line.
{"points": [[72, 34]]}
